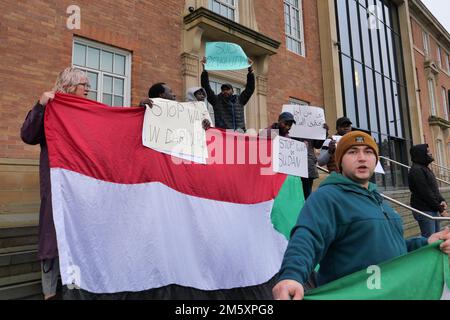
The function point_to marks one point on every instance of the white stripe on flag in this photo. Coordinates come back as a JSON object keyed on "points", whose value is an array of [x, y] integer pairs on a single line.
{"points": [[137, 237]]}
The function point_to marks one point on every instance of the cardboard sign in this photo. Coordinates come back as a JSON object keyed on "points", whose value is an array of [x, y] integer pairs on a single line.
{"points": [[176, 129], [290, 157], [225, 56], [310, 121]]}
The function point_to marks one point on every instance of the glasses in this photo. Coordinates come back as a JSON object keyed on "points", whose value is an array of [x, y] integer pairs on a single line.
{"points": [[85, 85]]}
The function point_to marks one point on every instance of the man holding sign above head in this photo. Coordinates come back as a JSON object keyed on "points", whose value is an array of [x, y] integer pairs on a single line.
{"points": [[327, 152], [228, 107]]}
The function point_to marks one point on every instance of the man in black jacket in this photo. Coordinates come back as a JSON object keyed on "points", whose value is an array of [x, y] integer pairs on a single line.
{"points": [[425, 195], [229, 107]]}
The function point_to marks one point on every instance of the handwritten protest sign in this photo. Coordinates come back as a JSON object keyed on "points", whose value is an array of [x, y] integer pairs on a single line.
{"points": [[309, 122], [378, 168], [290, 157], [176, 129], [225, 56]]}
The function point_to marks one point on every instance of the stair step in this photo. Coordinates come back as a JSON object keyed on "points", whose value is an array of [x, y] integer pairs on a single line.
{"points": [[18, 257], [18, 237], [21, 291], [18, 279]]}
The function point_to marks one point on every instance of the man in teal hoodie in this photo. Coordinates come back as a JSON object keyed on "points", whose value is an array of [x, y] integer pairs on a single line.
{"points": [[346, 226]]}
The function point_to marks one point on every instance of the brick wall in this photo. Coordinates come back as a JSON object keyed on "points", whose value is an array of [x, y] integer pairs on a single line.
{"points": [[291, 75], [35, 46]]}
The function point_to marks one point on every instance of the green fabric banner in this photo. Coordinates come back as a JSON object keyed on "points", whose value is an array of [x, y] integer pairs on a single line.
{"points": [[287, 205], [419, 275]]}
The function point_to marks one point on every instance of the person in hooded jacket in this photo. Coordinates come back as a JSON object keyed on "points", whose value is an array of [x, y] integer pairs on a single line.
{"points": [[229, 107], [346, 226], [425, 195], [199, 94]]}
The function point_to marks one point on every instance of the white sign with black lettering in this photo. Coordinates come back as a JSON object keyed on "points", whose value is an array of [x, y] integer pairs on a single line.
{"points": [[309, 122], [176, 129], [290, 157]]}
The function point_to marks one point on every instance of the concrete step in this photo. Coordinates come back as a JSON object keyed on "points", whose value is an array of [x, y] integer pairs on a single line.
{"points": [[32, 289], [18, 237]]}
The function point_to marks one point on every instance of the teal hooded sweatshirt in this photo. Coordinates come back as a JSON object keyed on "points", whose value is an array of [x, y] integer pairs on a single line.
{"points": [[345, 228]]}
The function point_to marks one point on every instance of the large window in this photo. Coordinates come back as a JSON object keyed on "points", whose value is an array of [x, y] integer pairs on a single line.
{"points": [[444, 103], [226, 8], [426, 43], [293, 21], [108, 70], [432, 96], [373, 80], [439, 57]]}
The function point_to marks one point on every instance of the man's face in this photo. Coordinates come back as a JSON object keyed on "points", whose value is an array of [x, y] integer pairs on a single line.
{"points": [[346, 128], [358, 164], [200, 95], [168, 94], [226, 92], [285, 126]]}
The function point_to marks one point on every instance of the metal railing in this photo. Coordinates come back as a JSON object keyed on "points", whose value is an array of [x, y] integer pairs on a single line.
{"points": [[400, 203], [404, 165]]}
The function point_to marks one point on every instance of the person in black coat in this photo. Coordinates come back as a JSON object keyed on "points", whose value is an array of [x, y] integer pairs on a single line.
{"points": [[425, 195], [229, 107]]}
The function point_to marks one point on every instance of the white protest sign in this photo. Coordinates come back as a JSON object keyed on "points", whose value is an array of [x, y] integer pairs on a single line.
{"points": [[290, 157], [378, 168], [176, 129], [309, 122]]}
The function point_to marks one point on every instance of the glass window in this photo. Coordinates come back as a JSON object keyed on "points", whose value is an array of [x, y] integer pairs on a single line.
{"points": [[349, 91], [344, 39], [354, 30], [439, 57], [298, 102], [426, 43], [390, 107], [432, 96], [444, 103], [367, 58], [293, 20], [361, 96], [381, 104], [226, 8], [371, 99], [107, 69]]}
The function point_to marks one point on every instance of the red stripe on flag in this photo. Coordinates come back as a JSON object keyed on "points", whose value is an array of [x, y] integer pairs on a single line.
{"points": [[105, 143]]}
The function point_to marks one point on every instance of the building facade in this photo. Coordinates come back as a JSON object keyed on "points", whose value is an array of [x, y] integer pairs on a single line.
{"points": [[361, 58]]}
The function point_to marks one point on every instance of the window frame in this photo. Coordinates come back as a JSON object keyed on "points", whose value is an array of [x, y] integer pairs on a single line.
{"points": [[426, 42], [439, 56], [444, 102], [432, 96], [235, 8], [300, 26], [100, 73]]}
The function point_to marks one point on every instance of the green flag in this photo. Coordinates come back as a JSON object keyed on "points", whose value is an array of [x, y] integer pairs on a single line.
{"points": [[420, 275]]}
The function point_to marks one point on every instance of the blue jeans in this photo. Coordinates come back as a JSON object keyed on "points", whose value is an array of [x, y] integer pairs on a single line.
{"points": [[427, 226]]}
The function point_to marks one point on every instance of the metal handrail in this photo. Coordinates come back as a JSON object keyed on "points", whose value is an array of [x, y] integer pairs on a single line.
{"points": [[441, 167], [404, 165], [401, 204]]}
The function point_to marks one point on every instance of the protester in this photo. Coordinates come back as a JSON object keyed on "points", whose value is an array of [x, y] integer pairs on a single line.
{"points": [[313, 173], [229, 107], [327, 157], [71, 81], [425, 195], [346, 226], [281, 128], [199, 94]]}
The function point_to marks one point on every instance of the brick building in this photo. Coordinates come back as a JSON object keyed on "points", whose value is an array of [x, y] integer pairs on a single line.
{"points": [[364, 59], [432, 60]]}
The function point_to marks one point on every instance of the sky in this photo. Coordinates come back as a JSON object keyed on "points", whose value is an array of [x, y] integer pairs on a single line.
{"points": [[441, 10]]}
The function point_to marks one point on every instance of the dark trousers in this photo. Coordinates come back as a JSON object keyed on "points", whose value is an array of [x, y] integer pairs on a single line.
{"points": [[427, 226], [307, 186]]}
